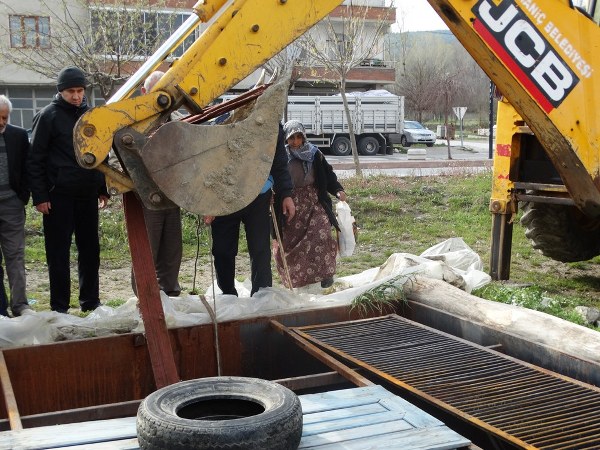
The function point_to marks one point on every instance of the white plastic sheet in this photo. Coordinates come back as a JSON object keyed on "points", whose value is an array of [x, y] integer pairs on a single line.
{"points": [[452, 261]]}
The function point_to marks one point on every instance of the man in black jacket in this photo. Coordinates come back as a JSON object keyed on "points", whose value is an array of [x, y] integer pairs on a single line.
{"points": [[14, 195], [66, 194]]}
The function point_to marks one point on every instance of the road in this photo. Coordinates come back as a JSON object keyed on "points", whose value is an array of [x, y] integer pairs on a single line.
{"points": [[473, 156]]}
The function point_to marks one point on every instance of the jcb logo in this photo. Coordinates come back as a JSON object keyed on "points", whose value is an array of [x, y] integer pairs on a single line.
{"points": [[525, 51]]}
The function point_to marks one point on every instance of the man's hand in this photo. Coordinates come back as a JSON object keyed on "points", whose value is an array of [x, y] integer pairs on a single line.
{"points": [[102, 201], [289, 209], [44, 207], [208, 219], [342, 196]]}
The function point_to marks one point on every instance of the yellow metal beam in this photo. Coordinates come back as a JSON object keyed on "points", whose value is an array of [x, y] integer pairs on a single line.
{"points": [[244, 35]]}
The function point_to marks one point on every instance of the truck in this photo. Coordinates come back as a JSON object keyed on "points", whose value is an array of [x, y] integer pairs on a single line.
{"points": [[375, 119]]}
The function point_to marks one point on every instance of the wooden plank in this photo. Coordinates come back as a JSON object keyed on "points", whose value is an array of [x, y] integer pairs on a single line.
{"points": [[438, 438], [357, 419], [148, 292], [413, 415], [100, 412], [333, 419], [343, 398], [353, 433], [124, 444], [10, 401], [354, 423], [351, 411], [69, 434]]}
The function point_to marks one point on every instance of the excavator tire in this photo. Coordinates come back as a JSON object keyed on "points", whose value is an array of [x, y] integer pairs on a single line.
{"points": [[561, 232], [233, 413]]}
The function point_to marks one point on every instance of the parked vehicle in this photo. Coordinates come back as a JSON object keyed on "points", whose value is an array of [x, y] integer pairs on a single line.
{"points": [[376, 118], [415, 133]]}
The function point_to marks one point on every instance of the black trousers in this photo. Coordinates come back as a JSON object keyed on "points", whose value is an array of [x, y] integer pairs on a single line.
{"points": [[72, 215], [3, 297], [225, 235]]}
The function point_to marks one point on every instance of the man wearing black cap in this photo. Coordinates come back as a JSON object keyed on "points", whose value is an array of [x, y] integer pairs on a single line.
{"points": [[66, 194]]}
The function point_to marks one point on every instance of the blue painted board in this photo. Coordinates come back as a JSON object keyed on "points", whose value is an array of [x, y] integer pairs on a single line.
{"points": [[380, 420], [368, 418]]}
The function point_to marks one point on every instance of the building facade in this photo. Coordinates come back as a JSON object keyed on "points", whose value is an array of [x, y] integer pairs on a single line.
{"points": [[50, 34]]}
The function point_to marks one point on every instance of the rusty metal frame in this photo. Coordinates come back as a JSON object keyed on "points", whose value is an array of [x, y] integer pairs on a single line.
{"points": [[345, 371], [430, 394]]}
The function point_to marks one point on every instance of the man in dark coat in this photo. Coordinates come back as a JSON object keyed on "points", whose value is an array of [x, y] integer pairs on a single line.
{"points": [[257, 224], [66, 194], [14, 195]]}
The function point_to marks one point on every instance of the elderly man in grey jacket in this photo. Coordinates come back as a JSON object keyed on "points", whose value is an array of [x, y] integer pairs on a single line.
{"points": [[14, 195]]}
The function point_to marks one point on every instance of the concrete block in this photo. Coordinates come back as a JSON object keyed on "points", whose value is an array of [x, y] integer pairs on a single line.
{"points": [[416, 153]]}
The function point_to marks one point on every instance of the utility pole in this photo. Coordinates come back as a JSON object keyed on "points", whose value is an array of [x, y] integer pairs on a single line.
{"points": [[446, 116]]}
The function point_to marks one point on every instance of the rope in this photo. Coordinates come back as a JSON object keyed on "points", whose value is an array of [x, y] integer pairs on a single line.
{"points": [[212, 311]]}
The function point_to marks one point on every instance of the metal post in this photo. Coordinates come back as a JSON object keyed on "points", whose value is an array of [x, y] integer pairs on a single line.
{"points": [[491, 120]]}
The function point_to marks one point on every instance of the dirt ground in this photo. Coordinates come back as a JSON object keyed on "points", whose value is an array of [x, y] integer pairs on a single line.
{"points": [[115, 282]]}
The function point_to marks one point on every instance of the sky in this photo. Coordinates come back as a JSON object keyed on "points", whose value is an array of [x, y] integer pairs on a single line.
{"points": [[418, 16]]}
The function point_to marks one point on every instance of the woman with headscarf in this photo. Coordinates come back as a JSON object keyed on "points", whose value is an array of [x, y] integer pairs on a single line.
{"points": [[309, 247]]}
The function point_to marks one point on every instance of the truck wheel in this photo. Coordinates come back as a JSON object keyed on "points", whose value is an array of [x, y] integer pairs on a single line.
{"points": [[561, 232], [341, 146], [368, 146], [404, 142], [220, 413]]}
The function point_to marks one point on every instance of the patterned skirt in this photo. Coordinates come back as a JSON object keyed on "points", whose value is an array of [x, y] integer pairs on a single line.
{"points": [[310, 248]]}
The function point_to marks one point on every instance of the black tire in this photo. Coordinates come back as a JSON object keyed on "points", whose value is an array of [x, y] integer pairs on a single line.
{"points": [[341, 146], [429, 144], [368, 146], [220, 413], [404, 142], [561, 232]]}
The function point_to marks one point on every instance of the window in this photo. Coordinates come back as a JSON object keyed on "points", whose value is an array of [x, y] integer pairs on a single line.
{"points": [[29, 31], [342, 44], [135, 32]]}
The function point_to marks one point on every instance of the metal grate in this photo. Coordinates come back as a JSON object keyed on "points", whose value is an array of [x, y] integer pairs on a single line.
{"points": [[523, 404]]}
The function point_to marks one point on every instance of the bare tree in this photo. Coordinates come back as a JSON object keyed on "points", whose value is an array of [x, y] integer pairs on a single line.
{"points": [[107, 40], [424, 62], [420, 72], [343, 43], [290, 59]]}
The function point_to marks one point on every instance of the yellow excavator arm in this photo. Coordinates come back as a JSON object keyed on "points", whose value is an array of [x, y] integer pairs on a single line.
{"points": [[243, 35], [544, 56]]}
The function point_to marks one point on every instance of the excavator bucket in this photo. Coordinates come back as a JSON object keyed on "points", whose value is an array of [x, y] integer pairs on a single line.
{"points": [[217, 169]]}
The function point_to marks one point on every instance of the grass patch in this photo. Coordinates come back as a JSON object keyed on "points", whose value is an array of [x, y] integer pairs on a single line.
{"points": [[395, 215], [382, 298]]}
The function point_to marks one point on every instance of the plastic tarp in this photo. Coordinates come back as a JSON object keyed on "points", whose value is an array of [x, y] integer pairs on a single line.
{"points": [[452, 261], [371, 93]]}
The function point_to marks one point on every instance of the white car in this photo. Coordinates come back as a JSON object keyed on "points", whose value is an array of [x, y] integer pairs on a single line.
{"points": [[415, 133]]}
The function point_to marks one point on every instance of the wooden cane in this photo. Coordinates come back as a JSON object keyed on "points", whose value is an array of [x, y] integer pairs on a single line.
{"points": [[281, 249]]}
